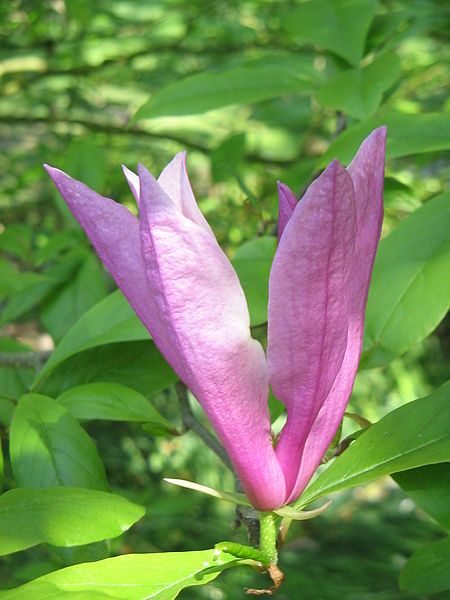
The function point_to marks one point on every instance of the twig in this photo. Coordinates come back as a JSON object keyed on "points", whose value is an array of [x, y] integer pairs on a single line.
{"points": [[24, 360], [123, 130], [190, 422]]}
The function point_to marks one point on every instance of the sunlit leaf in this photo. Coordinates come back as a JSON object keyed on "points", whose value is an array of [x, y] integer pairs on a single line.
{"points": [[62, 516]]}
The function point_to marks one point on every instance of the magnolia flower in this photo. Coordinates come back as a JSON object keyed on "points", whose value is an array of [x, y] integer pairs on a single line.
{"points": [[182, 286]]}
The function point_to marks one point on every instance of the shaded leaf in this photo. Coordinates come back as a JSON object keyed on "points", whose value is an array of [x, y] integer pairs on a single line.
{"points": [[427, 572], [340, 26], [115, 402], [413, 435], [358, 92], [410, 288]]}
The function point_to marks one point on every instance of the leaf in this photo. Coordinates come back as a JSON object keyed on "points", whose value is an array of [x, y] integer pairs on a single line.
{"points": [[14, 381], [138, 365], [254, 82], [110, 320], [410, 288], [253, 261], [340, 26], [227, 157], [233, 497], [114, 402], [358, 92], [429, 487], [407, 134], [413, 435], [427, 572], [62, 516], [48, 447], [86, 287], [160, 576]]}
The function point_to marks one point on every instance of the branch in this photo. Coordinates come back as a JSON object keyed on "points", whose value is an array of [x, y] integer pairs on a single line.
{"points": [[124, 130], [190, 422], [24, 360]]}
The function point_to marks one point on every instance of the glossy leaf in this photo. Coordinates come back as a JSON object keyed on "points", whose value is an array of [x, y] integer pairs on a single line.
{"points": [[407, 134], [410, 288], [48, 447], [110, 320], [429, 487], [66, 306], [114, 402], [358, 92], [340, 26], [413, 435], [128, 577], [257, 81], [138, 365], [427, 571], [62, 516]]}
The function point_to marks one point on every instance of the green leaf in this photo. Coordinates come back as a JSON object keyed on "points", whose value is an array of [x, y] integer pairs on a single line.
{"points": [[160, 576], [14, 381], [110, 320], [429, 487], [407, 134], [48, 447], [257, 81], [410, 288], [253, 261], [358, 92], [227, 157], [340, 26], [86, 287], [62, 517], [114, 402], [427, 572], [138, 365], [413, 435]]}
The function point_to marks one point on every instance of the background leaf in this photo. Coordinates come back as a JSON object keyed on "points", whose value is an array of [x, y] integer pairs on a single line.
{"points": [[340, 26], [62, 517], [358, 92], [427, 572], [410, 290], [111, 401], [251, 83], [411, 436], [429, 487], [48, 447]]}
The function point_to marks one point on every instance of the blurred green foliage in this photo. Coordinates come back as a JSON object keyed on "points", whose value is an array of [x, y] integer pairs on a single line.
{"points": [[255, 90]]}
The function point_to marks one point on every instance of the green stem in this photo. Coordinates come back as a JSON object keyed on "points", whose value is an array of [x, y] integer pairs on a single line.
{"points": [[268, 537]]}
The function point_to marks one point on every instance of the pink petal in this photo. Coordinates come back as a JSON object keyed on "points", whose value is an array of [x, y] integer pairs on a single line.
{"points": [[367, 173], [174, 181], [114, 233], [286, 206], [201, 324], [308, 307], [133, 182]]}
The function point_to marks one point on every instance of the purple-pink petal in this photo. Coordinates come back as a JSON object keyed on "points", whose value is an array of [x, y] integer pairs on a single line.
{"points": [[367, 173], [202, 310], [286, 206], [308, 307]]}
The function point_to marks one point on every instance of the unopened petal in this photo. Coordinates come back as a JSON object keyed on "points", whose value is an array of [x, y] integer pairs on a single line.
{"points": [[175, 182], [114, 233], [201, 325], [308, 307], [133, 182], [367, 173], [286, 206]]}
